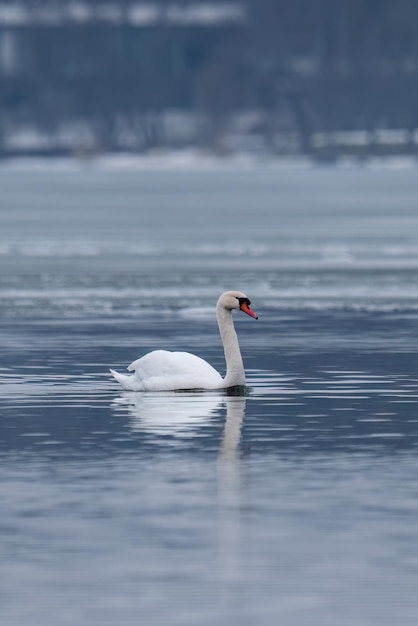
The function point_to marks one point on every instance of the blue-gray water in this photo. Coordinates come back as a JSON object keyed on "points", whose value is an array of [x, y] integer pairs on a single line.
{"points": [[296, 504]]}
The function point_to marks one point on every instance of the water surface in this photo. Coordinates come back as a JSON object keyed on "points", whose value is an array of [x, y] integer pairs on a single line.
{"points": [[296, 503]]}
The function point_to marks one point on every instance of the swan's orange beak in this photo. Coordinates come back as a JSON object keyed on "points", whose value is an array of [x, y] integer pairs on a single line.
{"points": [[248, 310]]}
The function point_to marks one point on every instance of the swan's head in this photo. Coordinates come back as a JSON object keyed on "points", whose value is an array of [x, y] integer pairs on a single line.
{"points": [[236, 300]]}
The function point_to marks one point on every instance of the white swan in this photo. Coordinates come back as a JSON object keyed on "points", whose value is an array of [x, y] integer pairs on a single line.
{"points": [[162, 370]]}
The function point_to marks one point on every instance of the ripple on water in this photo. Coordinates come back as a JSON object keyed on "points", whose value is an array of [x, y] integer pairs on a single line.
{"points": [[348, 408]]}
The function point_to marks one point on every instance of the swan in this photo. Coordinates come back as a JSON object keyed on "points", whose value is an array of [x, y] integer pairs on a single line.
{"points": [[162, 370]]}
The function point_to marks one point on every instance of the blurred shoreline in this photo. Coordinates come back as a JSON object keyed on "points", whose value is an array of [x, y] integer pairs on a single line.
{"points": [[192, 158]]}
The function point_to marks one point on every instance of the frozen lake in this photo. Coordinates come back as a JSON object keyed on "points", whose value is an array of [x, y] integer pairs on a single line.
{"points": [[294, 504]]}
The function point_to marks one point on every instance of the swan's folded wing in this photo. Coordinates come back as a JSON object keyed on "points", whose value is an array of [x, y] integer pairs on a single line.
{"points": [[153, 361], [162, 369]]}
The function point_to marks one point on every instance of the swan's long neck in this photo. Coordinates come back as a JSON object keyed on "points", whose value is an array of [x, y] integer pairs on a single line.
{"points": [[235, 374]]}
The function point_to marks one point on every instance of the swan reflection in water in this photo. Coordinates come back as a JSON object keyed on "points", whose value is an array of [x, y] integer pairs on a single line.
{"points": [[178, 417], [172, 417]]}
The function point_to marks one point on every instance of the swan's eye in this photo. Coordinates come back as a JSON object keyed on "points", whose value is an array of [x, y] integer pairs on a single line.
{"points": [[243, 301]]}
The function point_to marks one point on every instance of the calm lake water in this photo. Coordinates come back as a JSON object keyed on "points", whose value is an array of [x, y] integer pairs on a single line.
{"points": [[296, 504]]}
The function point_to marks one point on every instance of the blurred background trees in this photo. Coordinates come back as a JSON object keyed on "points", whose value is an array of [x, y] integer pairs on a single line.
{"points": [[104, 76]]}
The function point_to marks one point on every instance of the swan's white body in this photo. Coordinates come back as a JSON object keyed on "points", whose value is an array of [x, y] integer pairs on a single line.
{"points": [[162, 370]]}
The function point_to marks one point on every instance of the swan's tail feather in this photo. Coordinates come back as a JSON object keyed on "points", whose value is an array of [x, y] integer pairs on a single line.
{"points": [[130, 383], [119, 377]]}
